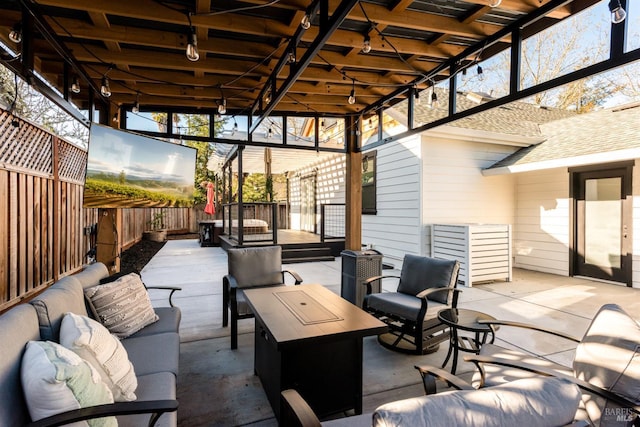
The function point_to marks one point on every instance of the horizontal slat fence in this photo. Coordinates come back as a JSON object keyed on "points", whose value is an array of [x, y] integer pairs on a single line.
{"points": [[44, 230]]}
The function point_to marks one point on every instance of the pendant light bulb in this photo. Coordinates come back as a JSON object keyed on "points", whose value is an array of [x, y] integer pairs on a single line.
{"points": [[105, 90], [464, 74], [618, 14], [494, 3], [75, 86], [366, 45], [434, 99], [291, 58], [416, 95], [15, 35], [306, 22], [235, 127], [480, 73], [192, 47], [222, 108], [352, 97]]}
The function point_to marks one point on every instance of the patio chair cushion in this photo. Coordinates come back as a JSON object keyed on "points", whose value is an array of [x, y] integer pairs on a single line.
{"points": [[56, 380], [265, 262], [528, 402], [401, 305], [420, 273], [95, 344], [123, 306], [608, 356]]}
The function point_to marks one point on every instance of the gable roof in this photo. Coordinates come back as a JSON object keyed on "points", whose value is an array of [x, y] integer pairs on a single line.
{"points": [[598, 137]]}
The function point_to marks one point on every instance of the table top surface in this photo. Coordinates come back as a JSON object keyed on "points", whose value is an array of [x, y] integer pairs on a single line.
{"points": [[309, 312], [462, 318]]}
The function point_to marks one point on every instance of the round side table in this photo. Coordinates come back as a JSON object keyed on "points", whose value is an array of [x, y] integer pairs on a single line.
{"points": [[460, 319]]}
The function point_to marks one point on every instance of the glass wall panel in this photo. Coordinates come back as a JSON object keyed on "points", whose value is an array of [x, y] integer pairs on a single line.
{"points": [[332, 132], [301, 131], [235, 127], [147, 121], [191, 124], [270, 130]]}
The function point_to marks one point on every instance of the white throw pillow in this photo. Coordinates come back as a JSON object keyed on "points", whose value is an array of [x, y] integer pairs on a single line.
{"points": [[123, 306], [94, 343], [56, 380]]}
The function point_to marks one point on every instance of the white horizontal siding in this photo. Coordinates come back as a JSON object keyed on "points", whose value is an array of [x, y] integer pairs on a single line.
{"points": [[541, 232], [454, 189], [635, 274], [395, 229]]}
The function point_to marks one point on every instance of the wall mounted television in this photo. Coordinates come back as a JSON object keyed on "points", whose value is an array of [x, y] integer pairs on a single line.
{"points": [[127, 170]]}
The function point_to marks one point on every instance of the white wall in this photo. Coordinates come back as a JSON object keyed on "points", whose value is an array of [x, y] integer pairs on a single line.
{"points": [[395, 229], [330, 186], [541, 232], [454, 189]]}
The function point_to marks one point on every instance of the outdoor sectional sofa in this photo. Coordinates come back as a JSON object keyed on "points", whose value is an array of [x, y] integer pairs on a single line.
{"points": [[153, 351]]}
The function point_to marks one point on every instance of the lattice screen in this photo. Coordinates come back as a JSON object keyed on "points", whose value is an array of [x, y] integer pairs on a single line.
{"points": [[24, 147]]}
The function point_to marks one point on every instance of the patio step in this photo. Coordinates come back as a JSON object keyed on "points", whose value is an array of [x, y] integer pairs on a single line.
{"points": [[308, 254]]}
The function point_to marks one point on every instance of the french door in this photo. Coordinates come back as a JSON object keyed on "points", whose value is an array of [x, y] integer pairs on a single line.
{"points": [[603, 224], [308, 203]]}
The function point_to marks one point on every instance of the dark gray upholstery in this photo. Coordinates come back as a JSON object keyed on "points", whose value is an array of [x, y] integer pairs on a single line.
{"points": [[420, 273], [249, 268], [426, 285]]}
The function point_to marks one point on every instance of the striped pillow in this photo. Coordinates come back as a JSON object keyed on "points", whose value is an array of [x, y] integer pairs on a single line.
{"points": [[123, 306]]}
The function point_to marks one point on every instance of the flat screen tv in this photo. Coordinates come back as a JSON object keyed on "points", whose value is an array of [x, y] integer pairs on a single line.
{"points": [[127, 170]]}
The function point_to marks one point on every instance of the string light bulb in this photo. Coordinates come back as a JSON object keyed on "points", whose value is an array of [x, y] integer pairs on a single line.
{"points": [[352, 95], [192, 46], [464, 74], [269, 132], [480, 73], [114, 119], [494, 3], [235, 127], [222, 107], [366, 44], [305, 23], [434, 99], [291, 58], [618, 14], [75, 86], [105, 89], [15, 35], [136, 107], [416, 95]]}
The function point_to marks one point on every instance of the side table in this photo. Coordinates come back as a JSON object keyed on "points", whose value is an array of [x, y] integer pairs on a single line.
{"points": [[460, 319]]}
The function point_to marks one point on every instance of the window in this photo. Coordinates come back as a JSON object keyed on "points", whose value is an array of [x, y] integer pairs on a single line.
{"points": [[369, 183]]}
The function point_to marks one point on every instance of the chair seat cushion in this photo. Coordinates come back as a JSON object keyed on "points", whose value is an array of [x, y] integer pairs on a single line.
{"points": [[495, 374], [531, 402], [145, 357], [158, 386], [168, 321], [401, 305]]}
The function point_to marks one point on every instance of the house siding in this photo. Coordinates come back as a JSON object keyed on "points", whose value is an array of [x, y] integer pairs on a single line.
{"points": [[542, 228], [395, 229], [330, 187], [454, 189]]}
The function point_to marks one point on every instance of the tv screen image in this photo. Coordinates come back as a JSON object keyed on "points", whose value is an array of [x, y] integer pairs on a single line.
{"points": [[127, 170]]}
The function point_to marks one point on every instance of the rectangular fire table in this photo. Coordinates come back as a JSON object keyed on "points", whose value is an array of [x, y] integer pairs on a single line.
{"points": [[310, 339]]}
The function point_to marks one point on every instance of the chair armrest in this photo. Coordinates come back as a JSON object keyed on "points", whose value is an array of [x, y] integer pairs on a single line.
{"points": [[540, 370], [370, 280], [430, 374], [154, 407], [295, 275], [295, 411], [423, 295], [166, 288], [530, 327]]}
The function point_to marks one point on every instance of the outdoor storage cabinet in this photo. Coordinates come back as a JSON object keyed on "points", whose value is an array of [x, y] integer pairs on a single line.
{"points": [[358, 266], [209, 232], [483, 250]]}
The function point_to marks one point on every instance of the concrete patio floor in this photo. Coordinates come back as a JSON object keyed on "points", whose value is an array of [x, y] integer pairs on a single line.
{"points": [[216, 385]]}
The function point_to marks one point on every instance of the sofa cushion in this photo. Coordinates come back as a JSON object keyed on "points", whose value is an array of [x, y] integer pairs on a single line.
{"points": [[57, 380], [531, 402], [151, 354], [94, 343], [62, 297], [168, 321], [608, 356], [18, 326], [158, 386], [123, 306], [92, 274], [419, 273]]}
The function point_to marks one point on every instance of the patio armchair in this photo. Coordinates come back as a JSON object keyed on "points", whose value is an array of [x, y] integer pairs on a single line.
{"points": [[426, 286], [606, 366], [541, 402], [250, 268]]}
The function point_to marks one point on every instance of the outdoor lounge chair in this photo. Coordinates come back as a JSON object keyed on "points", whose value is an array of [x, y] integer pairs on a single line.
{"points": [[541, 402], [250, 268], [606, 366], [426, 286]]}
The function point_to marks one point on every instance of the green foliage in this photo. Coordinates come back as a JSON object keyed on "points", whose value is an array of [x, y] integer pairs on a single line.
{"points": [[254, 188], [100, 187], [157, 222]]}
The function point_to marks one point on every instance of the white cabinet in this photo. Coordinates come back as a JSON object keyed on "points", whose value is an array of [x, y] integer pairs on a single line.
{"points": [[484, 250]]}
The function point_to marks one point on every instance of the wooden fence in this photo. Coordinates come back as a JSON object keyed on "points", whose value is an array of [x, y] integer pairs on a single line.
{"points": [[44, 230]]}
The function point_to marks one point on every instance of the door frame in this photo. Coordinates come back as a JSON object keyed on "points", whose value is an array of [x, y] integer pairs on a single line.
{"points": [[625, 170], [314, 211]]}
